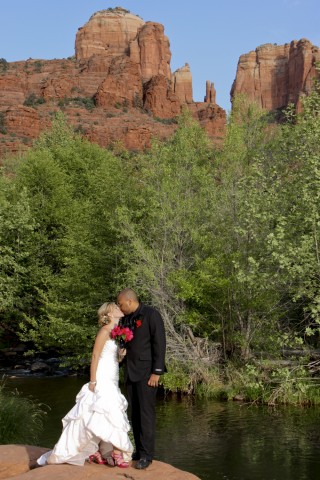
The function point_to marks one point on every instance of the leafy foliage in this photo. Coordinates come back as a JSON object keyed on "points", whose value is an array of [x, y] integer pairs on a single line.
{"points": [[3, 129], [224, 241], [33, 101], [3, 65], [71, 189]]}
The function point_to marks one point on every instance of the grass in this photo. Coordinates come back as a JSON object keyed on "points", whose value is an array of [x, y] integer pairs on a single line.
{"points": [[21, 419]]}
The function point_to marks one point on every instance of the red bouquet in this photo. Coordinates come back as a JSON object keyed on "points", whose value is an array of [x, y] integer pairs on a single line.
{"points": [[122, 335]]}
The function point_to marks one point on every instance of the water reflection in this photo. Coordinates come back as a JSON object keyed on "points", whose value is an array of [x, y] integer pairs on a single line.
{"points": [[215, 441], [233, 442]]}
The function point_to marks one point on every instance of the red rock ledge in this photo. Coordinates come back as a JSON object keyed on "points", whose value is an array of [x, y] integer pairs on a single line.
{"points": [[18, 462]]}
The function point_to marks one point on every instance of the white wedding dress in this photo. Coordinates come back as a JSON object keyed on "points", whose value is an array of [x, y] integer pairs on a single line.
{"points": [[97, 417]]}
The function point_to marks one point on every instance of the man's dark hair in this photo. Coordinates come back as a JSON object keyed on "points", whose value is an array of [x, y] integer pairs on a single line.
{"points": [[128, 293]]}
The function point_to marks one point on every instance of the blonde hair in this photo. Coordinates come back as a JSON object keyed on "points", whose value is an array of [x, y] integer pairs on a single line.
{"points": [[103, 313]]}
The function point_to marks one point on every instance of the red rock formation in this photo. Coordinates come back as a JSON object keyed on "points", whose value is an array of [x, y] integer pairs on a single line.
{"points": [[133, 132], [159, 98], [108, 32], [117, 88], [210, 93], [12, 90], [19, 463], [155, 54], [276, 75], [211, 117], [22, 121], [182, 84]]}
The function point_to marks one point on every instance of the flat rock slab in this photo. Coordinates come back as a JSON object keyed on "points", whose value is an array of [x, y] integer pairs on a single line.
{"points": [[18, 459], [18, 462]]}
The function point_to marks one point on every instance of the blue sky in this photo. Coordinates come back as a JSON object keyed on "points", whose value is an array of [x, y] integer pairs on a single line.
{"points": [[207, 34]]}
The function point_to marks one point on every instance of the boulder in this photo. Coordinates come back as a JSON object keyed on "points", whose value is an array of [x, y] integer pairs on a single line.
{"points": [[18, 459], [18, 462], [39, 366]]}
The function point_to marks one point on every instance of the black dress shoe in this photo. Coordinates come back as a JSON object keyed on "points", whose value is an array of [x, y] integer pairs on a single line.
{"points": [[143, 463], [135, 456]]}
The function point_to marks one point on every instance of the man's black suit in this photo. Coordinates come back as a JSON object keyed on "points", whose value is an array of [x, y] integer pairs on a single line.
{"points": [[145, 355]]}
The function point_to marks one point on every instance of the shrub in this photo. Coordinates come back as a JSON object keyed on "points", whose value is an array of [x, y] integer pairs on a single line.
{"points": [[137, 101], [38, 66], [80, 129], [281, 385], [186, 378], [166, 121], [86, 102], [3, 65], [2, 123], [32, 100], [117, 9]]}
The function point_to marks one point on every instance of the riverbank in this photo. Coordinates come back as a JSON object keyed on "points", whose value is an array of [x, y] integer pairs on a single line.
{"points": [[292, 378], [19, 462], [14, 362]]}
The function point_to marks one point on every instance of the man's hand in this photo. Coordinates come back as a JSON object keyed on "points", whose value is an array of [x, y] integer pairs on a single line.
{"points": [[121, 354], [153, 380]]}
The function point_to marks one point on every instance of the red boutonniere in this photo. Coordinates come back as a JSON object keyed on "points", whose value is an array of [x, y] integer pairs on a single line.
{"points": [[138, 323]]}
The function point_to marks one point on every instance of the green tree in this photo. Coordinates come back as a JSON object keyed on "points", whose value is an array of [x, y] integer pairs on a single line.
{"points": [[235, 283], [18, 273], [74, 188], [294, 243], [168, 213]]}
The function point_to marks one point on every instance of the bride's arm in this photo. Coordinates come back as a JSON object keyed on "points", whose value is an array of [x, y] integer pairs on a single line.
{"points": [[100, 340]]}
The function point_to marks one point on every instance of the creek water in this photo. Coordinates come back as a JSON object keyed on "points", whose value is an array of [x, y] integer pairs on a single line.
{"points": [[213, 440]]}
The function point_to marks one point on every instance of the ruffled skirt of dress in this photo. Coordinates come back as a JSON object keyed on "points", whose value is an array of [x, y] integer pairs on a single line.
{"points": [[96, 417]]}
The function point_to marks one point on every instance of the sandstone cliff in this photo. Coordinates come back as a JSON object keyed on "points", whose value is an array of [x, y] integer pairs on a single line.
{"points": [[276, 75], [183, 84], [117, 87], [19, 461]]}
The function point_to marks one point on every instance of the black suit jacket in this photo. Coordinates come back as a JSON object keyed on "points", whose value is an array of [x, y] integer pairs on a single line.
{"points": [[146, 351]]}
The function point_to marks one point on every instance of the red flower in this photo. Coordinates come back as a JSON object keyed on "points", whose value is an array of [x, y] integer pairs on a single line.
{"points": [[138, 323], [121, 334]]}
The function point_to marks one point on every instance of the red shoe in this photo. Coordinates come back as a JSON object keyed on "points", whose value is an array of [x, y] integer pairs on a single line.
{"points": [[97, 458], [119, 460]]}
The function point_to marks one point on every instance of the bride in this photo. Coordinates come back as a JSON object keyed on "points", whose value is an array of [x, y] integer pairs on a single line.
{"points": [[96, 428]]}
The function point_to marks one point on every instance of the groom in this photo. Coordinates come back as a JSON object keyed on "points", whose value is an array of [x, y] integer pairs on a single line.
{"points": [[144, 363]]}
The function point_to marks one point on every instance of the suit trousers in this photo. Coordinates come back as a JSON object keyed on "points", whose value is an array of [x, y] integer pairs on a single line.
{"points": [[142, 403]]}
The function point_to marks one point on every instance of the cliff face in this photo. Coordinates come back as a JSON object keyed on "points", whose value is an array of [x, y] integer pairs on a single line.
{"points": [[118, 87], [182, 84], [276, 75]]}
